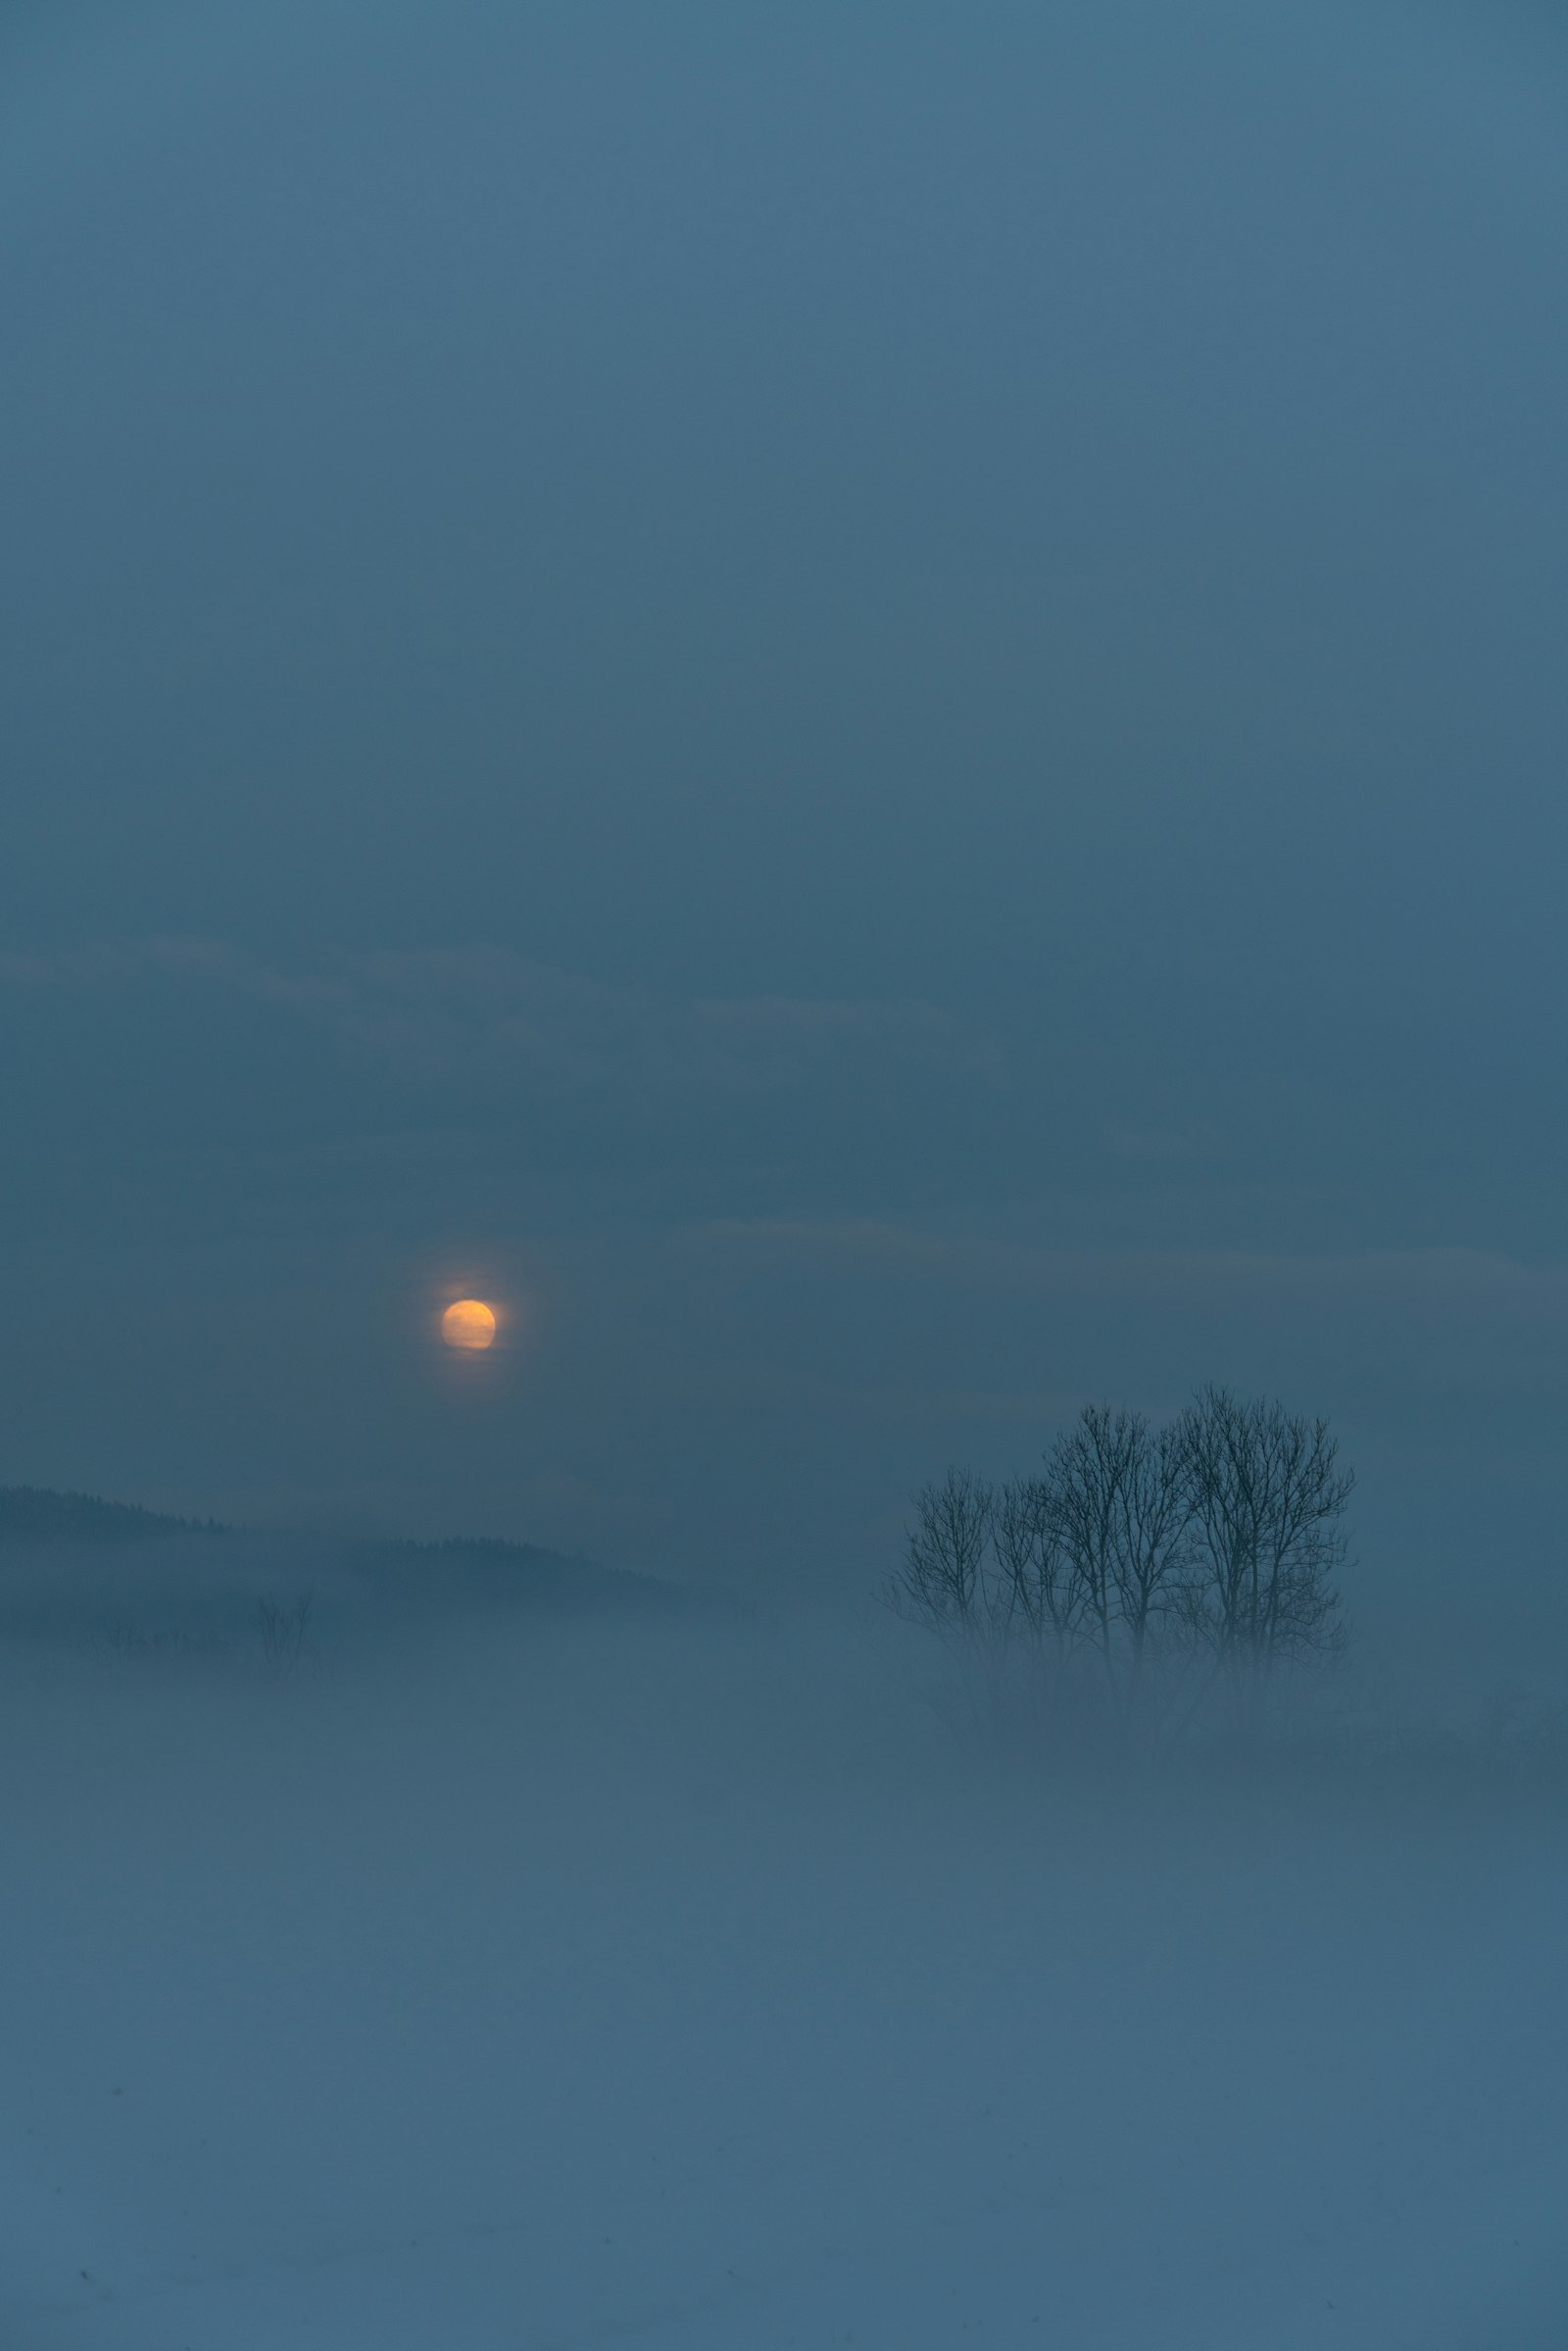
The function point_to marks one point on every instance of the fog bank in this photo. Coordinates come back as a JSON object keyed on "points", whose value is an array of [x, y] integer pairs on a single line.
{"points": [[693, 1985]]}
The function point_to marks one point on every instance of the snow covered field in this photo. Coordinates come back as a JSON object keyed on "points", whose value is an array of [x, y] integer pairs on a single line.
{"points": [[641, 1985]]}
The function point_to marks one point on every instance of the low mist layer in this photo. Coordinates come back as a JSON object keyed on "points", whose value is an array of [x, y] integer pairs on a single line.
{"points": [[693, 1984]]}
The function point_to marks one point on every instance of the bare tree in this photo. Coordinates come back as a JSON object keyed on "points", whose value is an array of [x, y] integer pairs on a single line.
{"points": [[282, 1630], [1038, 1588], [1152, 1535], [1117, 1497], [1136, 1550], [1266, 1496], [943, 1582], [1088, 1471]]}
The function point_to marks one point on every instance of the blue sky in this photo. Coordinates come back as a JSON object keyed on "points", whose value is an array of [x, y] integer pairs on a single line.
{"points": [[870, 709]]}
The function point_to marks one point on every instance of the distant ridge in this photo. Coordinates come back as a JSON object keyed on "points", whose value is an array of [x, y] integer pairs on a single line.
{"points": [[481, 1569], [40, 1514], [489, 1567]]}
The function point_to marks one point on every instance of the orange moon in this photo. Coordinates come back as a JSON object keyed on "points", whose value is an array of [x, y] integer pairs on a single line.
{"points": [[470, 1325]]}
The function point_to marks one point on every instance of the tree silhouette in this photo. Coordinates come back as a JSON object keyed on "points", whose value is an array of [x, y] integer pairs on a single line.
{"points": [[1137, 1551]]}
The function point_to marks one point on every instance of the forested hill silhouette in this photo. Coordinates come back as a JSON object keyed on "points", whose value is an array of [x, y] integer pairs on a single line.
{"points": [[460, 1571], [481, 1568], [39, 1514]]}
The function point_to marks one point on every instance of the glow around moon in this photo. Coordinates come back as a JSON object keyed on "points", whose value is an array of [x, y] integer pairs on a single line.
{"points": [[470, 1325]]}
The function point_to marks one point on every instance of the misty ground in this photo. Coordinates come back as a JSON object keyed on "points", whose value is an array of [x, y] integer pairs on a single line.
{"points": [[661, 1981]]}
